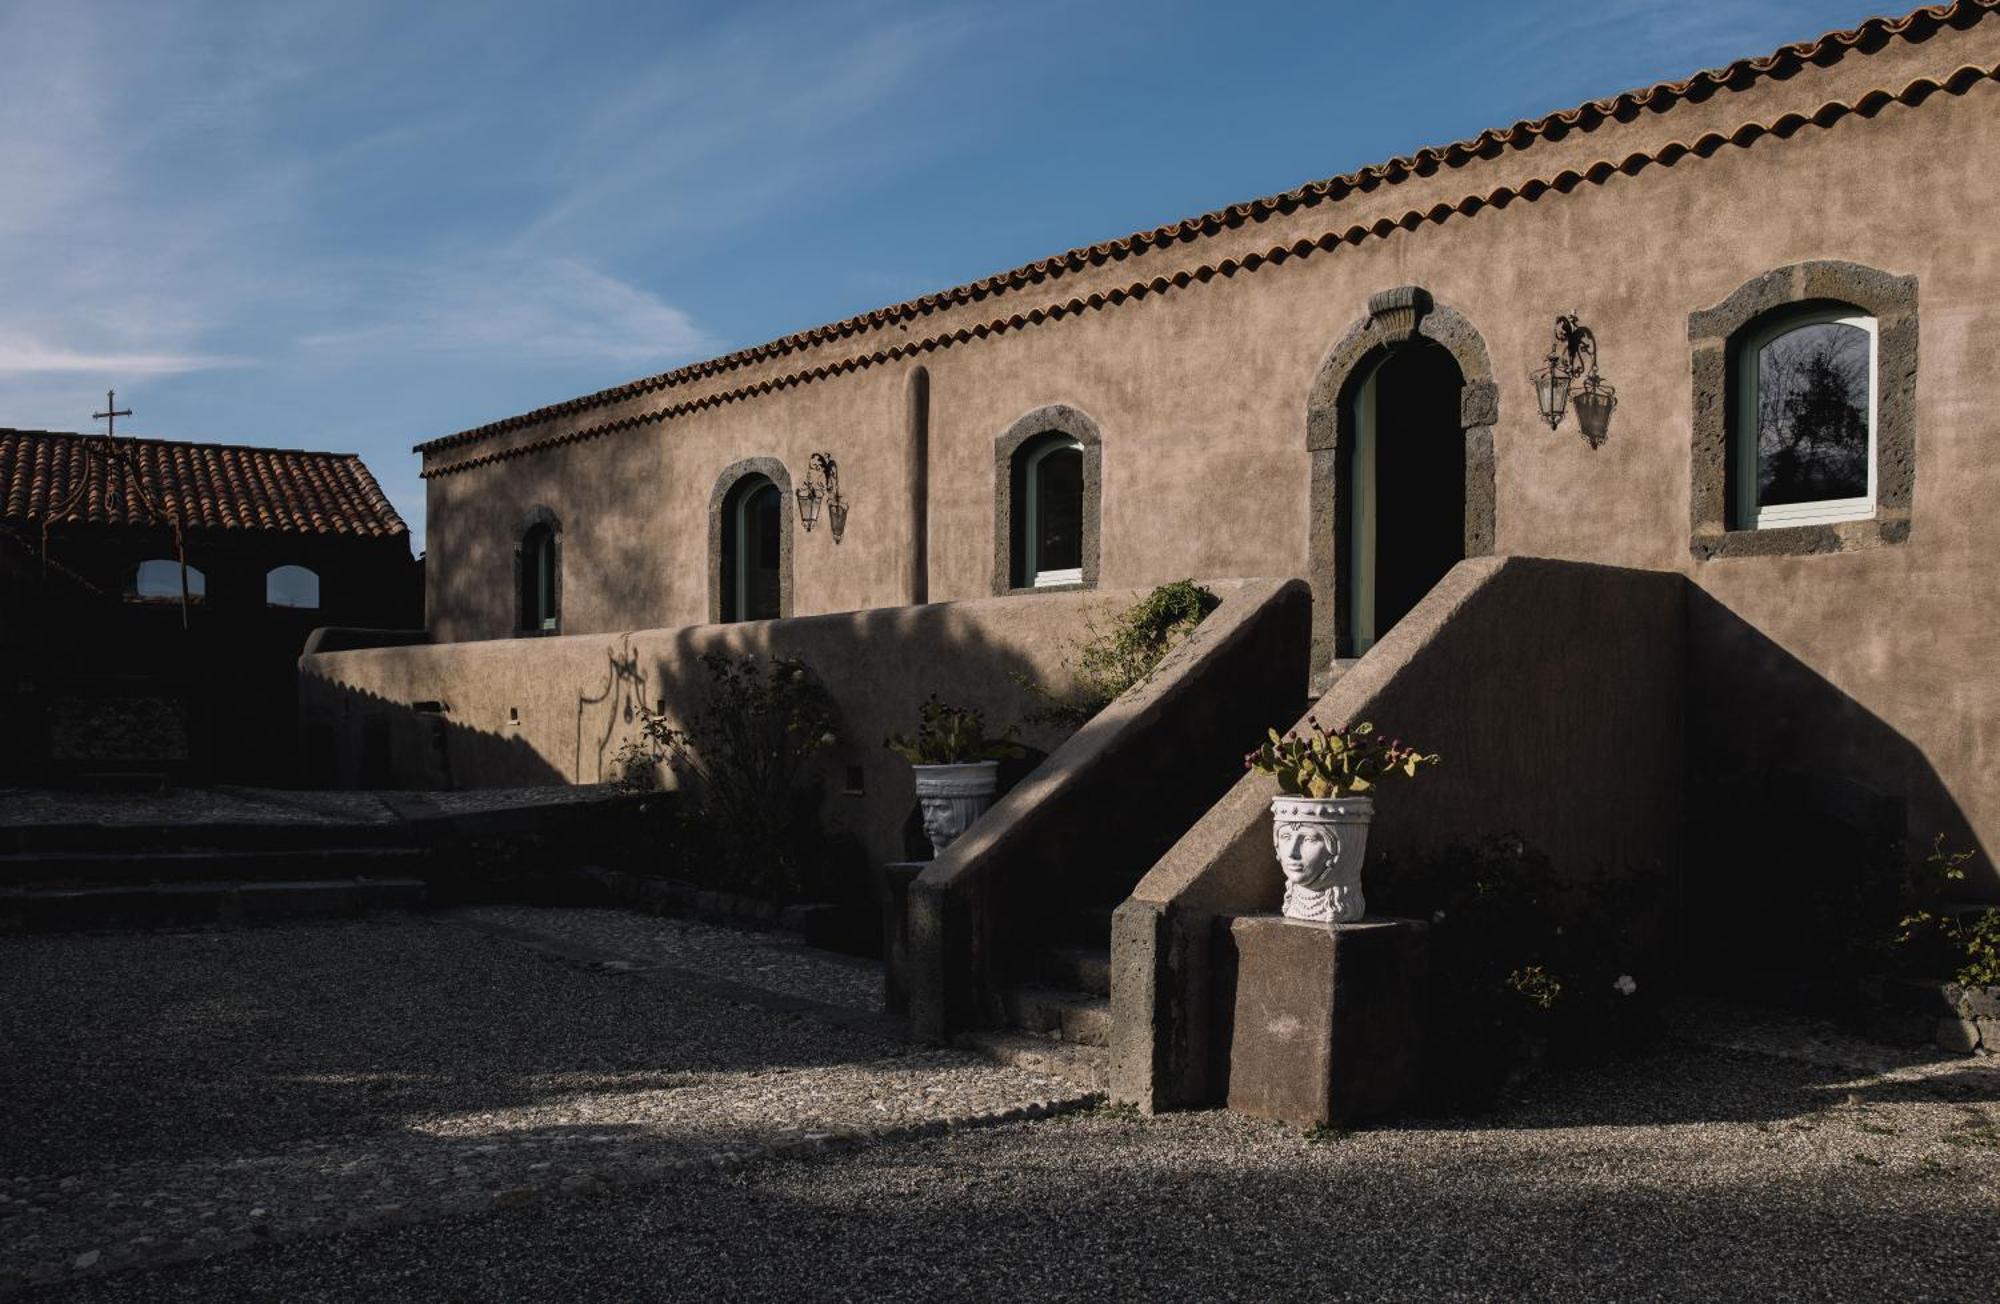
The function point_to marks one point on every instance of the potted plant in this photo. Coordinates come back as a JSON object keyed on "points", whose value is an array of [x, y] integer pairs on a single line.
{"points": [[957, 767], [1319, 819]]}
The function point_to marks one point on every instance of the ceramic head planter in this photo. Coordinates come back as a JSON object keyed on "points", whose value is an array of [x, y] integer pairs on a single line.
{"points": [[1320, 843], [952, 796], [957, 767], [1319, 820]]}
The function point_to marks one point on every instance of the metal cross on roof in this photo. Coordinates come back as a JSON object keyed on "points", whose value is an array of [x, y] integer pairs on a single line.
{"points": [[110, 414]]}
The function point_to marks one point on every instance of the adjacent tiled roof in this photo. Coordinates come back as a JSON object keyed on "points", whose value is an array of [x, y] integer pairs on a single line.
{"points": [[209, 486], [1916, 25]]}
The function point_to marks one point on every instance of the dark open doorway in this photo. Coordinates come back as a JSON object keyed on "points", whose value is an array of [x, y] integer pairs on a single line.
{"points": [[1406, 478], [752, 578]]}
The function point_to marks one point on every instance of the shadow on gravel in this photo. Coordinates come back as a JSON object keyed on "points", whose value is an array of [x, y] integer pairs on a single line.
{"points": [[130, 1048]]}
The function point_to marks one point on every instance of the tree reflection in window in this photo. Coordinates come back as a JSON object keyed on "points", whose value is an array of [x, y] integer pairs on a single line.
{"points": [[1804, 431], [1812, 415], [1048, 512]]}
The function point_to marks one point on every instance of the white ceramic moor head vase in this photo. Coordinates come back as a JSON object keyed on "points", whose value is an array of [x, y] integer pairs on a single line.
{"points": [[1321, 842]]}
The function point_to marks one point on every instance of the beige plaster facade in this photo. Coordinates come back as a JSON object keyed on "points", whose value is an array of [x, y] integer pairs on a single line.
{"points": [[1194, 352]]}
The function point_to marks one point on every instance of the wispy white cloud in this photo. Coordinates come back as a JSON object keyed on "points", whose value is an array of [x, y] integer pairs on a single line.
{"points": [[22, 355], [553, 310]]}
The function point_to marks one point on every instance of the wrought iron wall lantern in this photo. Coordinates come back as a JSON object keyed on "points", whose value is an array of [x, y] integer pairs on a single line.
{"points": [[822, 487], [1572, 357]]}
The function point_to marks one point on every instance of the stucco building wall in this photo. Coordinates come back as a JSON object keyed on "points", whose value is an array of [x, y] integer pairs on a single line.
{"points": [[1868, 155]]}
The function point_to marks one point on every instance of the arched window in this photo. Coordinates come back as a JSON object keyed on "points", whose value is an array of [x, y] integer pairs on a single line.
{"points": [[540, 579], [1047, 468], [752, 541], [1802, 440], [1049, 494], [292, 586], [159, 580], [1804, 432]]}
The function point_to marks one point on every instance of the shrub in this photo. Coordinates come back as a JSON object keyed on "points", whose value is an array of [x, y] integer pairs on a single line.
{"points": [[1934, 941], [743, 755], [951, 735], [1112, 661], [1519, 962]]}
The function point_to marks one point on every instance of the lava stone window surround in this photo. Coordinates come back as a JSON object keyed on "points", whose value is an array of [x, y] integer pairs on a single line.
{"points": [[1009, 523], [770, 468], [1716, 335], [529, 624], [1394, 317]]}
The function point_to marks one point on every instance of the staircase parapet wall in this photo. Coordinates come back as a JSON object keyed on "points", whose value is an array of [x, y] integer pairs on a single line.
{"points": [[1554, 692], [1109, 800]]}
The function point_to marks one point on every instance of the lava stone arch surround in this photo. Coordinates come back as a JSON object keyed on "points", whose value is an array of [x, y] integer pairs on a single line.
{"points": [[1892, 302], [1054, 419], [1394, 317], [718, 500]]}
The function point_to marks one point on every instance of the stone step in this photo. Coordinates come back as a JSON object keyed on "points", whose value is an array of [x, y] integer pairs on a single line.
{"points": [[133, 867], [1089, 926], [1076, 968], [205, 835], [1072, 1016], [180, 905], [1086, 1066]]}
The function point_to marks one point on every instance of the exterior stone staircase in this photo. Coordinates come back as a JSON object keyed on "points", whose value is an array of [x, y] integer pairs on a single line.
{"points": [[56, 878], [1058, 1008]]}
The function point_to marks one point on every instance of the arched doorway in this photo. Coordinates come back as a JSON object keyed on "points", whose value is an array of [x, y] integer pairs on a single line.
{"points": [[752, 561], [1399, 424], [1405, 473]]}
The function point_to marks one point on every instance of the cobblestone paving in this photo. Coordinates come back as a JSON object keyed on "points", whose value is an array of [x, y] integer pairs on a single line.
{"points": [[172, 1096]]}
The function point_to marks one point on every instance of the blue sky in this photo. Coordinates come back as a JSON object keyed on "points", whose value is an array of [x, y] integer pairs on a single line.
{"points": [[356, 225]]}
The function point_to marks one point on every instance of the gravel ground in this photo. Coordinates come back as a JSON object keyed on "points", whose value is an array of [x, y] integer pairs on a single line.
{"points": [[171, 1095], [1697, 1175], [761, 959]]}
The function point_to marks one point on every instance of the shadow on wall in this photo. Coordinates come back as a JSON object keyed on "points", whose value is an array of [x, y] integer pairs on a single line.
{"points": [[560, 710], [1804, 810], [351, 738]]}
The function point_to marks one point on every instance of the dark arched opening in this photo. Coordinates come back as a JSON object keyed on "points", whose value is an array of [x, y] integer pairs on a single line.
{"points": [[752, 562], [1404, 521]]}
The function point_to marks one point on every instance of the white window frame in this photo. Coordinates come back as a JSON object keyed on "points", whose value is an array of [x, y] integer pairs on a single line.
{"points": [[1031, 492], [1749, 514]]}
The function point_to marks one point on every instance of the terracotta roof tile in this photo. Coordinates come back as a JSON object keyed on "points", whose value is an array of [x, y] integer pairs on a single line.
{"points": [[1868, 36], [214, 486]]}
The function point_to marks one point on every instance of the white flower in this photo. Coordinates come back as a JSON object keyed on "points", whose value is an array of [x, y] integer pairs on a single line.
{"points": [[1625, 985], [1437, 916], [826, 740]]}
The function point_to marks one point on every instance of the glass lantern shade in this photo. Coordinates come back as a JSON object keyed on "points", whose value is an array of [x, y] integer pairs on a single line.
{"points": [[808, 496], [1552, 392], [1593, 412], [836, 515]]}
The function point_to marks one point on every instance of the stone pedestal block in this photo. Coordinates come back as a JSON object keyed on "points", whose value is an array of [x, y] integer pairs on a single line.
{"points": [[892, 889], [1328, 1021]]}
